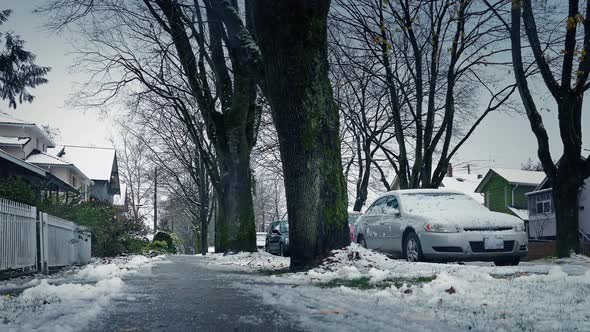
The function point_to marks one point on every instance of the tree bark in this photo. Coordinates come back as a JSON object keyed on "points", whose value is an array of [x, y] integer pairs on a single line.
{"points": [[292, 35]]}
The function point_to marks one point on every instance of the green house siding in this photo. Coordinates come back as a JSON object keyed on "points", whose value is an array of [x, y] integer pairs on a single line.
{"points": [[495, 194], [498, 194]]}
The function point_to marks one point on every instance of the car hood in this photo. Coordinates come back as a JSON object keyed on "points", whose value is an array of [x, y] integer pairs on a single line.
{"points": [[471, 219]]}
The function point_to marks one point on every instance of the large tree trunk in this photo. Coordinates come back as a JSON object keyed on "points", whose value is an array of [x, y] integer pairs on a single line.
{"points": [[235, 229], [293, 39], [569, 178]]}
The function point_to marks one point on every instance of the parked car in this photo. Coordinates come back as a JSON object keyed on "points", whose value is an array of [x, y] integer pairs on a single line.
{"points": [[260, 240], [353, 216], [277, 238], [441, 225]]}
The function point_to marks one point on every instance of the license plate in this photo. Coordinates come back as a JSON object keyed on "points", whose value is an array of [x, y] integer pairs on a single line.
{"points": [[493, 244]]}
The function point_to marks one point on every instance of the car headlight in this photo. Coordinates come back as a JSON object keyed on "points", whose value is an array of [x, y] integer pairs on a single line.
{"points": [[520, 227], [440, 228]]}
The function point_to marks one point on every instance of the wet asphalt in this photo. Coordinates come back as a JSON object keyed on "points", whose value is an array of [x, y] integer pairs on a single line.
{"points": [[184, 295]]}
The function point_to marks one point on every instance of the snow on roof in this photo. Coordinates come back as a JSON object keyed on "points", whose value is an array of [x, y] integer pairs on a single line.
{"points": [[465, 183], [42, 158], [96, 163], [6, 118], [520, 213], [45, 159], [18, 141], [518, 176], [513, 176]]}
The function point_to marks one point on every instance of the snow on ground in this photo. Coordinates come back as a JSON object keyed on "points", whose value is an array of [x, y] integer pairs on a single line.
{"points": [[361, 289], [69, 299]]}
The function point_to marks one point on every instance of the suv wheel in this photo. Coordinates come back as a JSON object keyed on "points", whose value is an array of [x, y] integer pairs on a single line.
{"points": [[413, 249]]}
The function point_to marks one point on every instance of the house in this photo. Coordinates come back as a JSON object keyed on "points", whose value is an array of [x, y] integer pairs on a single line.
{"points": [[27, 144], [542, 223], [100, 164], [463, 182], [121, 200], [504, 190]]}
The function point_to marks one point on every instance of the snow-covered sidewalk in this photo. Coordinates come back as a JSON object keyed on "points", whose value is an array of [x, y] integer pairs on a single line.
{"points": [[358, 289], [68, 300]]}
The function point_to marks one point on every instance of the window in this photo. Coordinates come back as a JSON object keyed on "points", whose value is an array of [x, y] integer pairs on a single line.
{"points": [[391, 206], [377, 207], [541, 204], [74, 182]]}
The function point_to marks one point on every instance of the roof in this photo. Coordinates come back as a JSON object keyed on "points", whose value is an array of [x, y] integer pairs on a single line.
{"points": [[9, 120], [465, 183], [15, 141], [45, 159], [513, 176], [22, 163], [520, 213], [97, 163], [6, 118], [42, 158]]}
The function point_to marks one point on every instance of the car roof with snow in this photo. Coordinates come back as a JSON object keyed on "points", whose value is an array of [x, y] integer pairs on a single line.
{"points": [[403, 192]]}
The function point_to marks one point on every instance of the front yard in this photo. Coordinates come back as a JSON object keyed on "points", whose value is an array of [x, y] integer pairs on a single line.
{"points": [[358, 289]]}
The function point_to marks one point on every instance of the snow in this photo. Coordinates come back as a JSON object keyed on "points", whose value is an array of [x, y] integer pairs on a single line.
{"points": [[465, 183], [520, 213], [19, 141], [517, 176], [543, 296], [43, 158], [96, 163], [67, 301]]}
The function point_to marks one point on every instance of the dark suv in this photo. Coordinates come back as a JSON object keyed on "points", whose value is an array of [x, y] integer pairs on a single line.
{"points": [[277, 238]]}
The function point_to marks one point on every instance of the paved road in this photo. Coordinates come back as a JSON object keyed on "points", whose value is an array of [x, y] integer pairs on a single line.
{"points": [[183, 295]]}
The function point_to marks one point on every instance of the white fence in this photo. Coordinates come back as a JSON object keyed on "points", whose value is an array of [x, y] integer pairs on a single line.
{"points": [[31, 241], [18, 236], [63, 242]]}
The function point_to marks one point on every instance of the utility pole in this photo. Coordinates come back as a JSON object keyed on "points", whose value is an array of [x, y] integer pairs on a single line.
{"points": [[155, 199]]}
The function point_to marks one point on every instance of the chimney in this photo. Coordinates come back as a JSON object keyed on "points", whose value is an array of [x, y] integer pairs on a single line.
{"points": [[450, 171]]}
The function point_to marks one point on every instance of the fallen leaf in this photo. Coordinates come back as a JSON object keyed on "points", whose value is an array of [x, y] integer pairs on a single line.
{"points": [[451, 290]]}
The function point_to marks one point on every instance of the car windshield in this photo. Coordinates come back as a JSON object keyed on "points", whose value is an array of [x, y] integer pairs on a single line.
{"points": [[436, 202]]}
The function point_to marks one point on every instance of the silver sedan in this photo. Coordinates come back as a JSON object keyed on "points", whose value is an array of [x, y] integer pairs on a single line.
{"points": [[440, 225]]}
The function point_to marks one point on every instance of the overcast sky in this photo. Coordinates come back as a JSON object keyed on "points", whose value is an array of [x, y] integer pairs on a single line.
{"points": [[503, 140]]}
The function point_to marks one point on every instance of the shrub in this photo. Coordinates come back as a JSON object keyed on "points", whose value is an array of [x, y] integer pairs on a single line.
{"points": [[166, 238]]}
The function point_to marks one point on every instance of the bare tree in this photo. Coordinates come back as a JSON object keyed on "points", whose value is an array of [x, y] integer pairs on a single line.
{"points": [[136, 172], [432, 58], [567, 90], [180, 49]]}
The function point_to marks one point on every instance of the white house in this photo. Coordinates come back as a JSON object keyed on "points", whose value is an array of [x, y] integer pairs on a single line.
{"points": [[542, 223], [29, 143], [100, 164]]}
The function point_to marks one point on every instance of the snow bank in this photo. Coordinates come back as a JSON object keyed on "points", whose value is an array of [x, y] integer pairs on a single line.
{"points": [[423, 296], [69, 300], [253, 261]]}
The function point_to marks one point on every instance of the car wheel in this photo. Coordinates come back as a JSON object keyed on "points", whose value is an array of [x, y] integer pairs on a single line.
{"points": [[362, 242], [412, 248], [507, 262]]}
